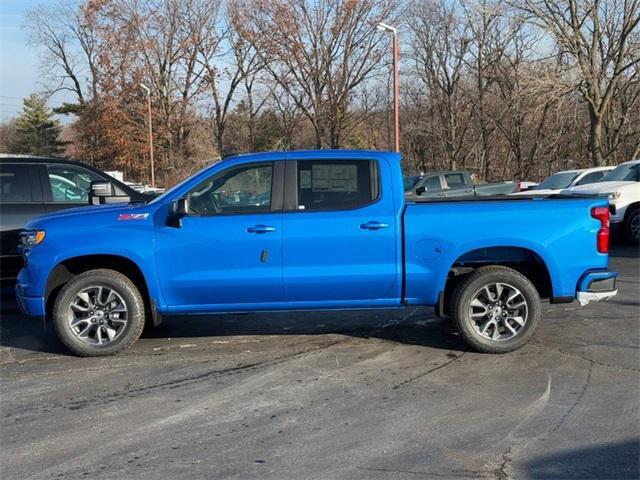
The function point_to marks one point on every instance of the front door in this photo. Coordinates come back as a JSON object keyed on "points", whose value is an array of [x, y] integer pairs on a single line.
{"points": [[227, 253], [340, 235]]}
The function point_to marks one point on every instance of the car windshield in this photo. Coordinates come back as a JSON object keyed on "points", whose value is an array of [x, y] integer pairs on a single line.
{"points": [[170, 191], [557, 181], [629, 172]]}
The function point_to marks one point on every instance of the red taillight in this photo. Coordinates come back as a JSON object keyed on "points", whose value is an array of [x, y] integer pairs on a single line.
{"points": [[602, 214]]}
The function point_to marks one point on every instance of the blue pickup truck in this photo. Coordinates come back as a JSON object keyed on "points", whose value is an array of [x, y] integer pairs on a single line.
{"points": [[311, 230]]}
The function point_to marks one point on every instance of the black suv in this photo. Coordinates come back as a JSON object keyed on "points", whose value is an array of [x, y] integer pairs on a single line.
{"points": [[32, 186]]}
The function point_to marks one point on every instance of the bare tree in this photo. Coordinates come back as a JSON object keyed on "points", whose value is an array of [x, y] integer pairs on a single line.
{"points": [[601, 37], [319, 53], [440, 45], [68, 40]]}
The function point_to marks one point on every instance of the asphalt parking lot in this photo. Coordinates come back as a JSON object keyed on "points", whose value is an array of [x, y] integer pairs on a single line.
{"points": [[360, 395]]}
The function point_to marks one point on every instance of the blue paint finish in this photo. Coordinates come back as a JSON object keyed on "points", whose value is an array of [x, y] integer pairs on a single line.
{"points": [[560, 232], [212, 261], [382, 254]]}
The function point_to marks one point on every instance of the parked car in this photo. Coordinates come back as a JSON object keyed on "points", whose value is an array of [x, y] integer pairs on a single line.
{"points": [[456, 184], [621, 187], [336, 233], [33, 186], [566, 179], [410, 181]]}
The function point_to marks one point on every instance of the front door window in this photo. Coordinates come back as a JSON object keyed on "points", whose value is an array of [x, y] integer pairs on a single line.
{"points": [[245, 189]]}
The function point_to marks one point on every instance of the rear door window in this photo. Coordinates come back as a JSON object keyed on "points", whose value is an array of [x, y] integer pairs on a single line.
{"points": [[454, 180], [336, 185], [16, 184]]}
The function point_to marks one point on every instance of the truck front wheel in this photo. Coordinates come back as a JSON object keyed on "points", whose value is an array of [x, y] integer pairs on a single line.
{"points": [[496, 309], [99, 312]]}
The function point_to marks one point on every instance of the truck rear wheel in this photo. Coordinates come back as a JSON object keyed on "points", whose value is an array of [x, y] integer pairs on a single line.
{"points": [[496, 309], [99, 312]]}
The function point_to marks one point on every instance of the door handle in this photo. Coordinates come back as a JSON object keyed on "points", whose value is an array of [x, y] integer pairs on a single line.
{"points": [[373, 225], [261, 229]]}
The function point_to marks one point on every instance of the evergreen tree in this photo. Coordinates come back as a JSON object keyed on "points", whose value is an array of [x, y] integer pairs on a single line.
{"points": [[37, 131]]}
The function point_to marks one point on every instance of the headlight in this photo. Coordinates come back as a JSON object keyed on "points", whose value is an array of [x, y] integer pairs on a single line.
{"points": [[31, 238], [614, 196]]}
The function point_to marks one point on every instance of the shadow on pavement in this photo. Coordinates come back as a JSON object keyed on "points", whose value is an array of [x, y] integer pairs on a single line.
{"points": [[611, 461], [414, 327]]}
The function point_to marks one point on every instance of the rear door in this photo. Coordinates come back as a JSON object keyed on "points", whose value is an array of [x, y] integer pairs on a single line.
{"points": [[20, 201], [339, 234]]}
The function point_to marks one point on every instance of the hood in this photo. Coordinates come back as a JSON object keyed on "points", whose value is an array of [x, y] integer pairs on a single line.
{"points": [[598, 188], [88, 214]]}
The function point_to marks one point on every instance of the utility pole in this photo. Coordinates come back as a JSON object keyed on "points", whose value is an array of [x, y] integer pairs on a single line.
{"points": [[396, 86], [148, 91]]}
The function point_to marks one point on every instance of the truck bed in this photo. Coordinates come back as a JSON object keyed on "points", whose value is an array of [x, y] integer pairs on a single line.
{"points": [[558, 232], [494, 198]]}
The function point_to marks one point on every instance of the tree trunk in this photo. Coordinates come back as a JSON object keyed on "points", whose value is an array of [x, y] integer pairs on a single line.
{"points": [[595, 138], [220, 139]]}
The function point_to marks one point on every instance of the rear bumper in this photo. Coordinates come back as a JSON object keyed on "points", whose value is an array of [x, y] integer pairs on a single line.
{"points": [[596, 286]]}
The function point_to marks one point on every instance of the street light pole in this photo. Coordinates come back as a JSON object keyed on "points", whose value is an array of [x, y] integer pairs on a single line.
{"points": [[148, 90], [396, 86]]}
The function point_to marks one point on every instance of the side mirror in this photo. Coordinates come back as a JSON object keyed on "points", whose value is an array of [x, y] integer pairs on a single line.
{"points": [[420, 190], [179, 209], [102, 192]]}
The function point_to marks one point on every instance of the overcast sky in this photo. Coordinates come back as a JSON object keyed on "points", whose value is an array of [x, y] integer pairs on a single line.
{"points": [[18, 62]]}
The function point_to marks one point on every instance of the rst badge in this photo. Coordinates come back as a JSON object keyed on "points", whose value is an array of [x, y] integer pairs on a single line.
{"points": [[132, 216]]}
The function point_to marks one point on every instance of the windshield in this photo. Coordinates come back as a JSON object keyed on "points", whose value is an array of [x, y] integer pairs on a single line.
{"points": [[629, 172], [170, 191], [557, 181]]}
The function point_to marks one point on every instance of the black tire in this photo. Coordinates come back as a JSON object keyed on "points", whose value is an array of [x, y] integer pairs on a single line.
{"points": [[114, 281], [632, 216], [466, 291]]}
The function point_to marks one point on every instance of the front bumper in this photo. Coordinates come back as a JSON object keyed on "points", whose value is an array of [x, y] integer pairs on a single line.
{"points": [[32, 306], [596, 286]]}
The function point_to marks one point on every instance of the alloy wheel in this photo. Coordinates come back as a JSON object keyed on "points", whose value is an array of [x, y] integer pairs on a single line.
{"points": [[498, 311], [97, 315]]}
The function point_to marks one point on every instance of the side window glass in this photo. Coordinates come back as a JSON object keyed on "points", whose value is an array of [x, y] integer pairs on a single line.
{"points": [[454, 180], [334, 185], [246, 189], [432, 184], [69, 183], [590, 178], [15, 185]]}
